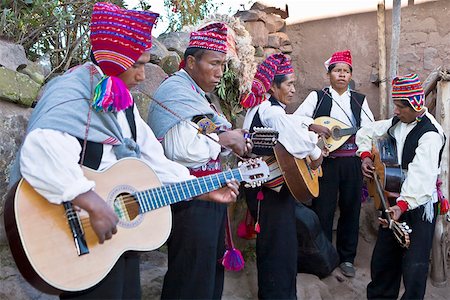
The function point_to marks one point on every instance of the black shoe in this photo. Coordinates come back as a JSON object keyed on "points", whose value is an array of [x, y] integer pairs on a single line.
{"points": [[347, 269]]}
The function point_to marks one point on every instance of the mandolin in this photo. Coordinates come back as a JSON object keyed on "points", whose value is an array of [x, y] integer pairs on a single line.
{"points": [[340, 132]]}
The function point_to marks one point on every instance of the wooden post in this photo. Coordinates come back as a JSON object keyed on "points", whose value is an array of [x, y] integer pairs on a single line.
{"points": [[439, 252], [382, 75], [395, 41]]}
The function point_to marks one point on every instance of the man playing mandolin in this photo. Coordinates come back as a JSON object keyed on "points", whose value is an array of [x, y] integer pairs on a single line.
{"points": [[342, 177], [273, 205], [419, 140]]}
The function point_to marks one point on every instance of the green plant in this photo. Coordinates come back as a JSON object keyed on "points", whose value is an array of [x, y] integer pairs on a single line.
{"points": [[228, 92], [57, 27], [188, 12]]}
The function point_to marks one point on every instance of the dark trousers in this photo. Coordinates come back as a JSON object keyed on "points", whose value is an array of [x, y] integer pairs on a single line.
{"points": [[341, 176], [276, 244], [195, 247], [390, 261], [122, 282]]}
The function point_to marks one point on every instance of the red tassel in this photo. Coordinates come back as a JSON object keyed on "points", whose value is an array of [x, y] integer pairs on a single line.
{"points": [[444, 206], [260, 196], [257, 228], [233, 260]]}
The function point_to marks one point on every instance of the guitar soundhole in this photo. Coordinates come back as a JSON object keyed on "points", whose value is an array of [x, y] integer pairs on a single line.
{"points": [[127, 208]]}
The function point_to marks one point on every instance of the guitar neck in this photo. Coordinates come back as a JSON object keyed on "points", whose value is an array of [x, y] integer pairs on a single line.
{"points": [[169, 194], [382, 198]]}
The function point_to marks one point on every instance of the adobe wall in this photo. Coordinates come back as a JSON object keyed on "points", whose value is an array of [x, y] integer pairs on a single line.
{"points": [[424, 44]]}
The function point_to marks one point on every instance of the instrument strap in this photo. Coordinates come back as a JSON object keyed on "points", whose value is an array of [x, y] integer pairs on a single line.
{"points": [[200, 130]]}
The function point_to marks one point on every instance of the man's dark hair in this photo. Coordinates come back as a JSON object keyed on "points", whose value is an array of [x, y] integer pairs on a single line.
{"points": [[405, 102], [195, 52], [91, 54], [331, 67], [279, 79]]}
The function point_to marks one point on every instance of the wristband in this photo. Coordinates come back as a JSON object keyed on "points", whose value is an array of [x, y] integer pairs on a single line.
{"points": [[403, 205], [365, 154]]}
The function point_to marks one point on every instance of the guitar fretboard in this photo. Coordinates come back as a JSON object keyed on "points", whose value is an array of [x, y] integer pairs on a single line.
{"points": [[169, 194]]}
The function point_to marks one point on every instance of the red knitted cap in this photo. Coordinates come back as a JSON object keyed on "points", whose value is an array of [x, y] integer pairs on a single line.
{"points": [[119, 36], [211, 37]]}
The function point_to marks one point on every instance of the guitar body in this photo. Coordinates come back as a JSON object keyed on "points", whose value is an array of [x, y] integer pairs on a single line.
{"points": [[340, 132], [302, 181], [389, 171], [42, 243]]}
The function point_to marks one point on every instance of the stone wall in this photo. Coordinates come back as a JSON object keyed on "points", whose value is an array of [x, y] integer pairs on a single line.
{"points": [[424, 44]]}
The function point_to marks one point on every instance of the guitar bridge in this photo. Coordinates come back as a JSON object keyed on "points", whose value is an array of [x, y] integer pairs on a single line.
{"points": [[76, 229]]}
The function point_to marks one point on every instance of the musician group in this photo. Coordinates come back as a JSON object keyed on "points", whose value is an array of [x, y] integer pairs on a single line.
{"points": [[87, 117]]}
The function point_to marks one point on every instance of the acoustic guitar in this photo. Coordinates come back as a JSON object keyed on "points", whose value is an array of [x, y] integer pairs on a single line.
{"points": [[387, 183], [340, 132], [302, 181], [54, 246]]}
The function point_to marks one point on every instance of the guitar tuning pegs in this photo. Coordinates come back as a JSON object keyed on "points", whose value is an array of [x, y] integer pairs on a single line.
{"points": [[409, 230]]}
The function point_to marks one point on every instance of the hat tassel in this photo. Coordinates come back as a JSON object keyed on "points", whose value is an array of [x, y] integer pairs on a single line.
{"points": [[111, 95], [232, 260]]}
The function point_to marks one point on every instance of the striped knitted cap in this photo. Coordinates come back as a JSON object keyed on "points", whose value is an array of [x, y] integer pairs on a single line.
{"points": [[119, 36], [275, 64], [211, 37], [408, 87]]}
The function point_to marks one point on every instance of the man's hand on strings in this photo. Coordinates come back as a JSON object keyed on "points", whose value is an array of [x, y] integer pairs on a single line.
{"points": [[320, 130], [315, 164], [102, 218], [237, 141], [224, 195], [367, 167], [394, 211]]}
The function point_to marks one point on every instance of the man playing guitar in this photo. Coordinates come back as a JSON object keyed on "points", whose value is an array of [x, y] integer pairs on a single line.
{"points": [[420, 140], [273, 206]]}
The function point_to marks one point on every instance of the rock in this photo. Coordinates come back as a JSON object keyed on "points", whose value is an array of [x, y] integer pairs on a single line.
{"points": [[273, 22], [32, 73], [13, 123], [249, 15], [258, 32], [286, 49], [17, 88], [12, 55], [157, 52], [44, 64], [270, 51], [170, 63], [154, 76], [175, 41]]}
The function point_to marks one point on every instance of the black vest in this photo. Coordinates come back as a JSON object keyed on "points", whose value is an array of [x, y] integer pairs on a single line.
{"points": [[256, 122], [412, 139], [94, 151], [324, 103]]}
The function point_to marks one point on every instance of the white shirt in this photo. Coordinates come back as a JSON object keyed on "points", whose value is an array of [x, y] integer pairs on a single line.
{"points": [[185, 145], [420, 182], [340, 108], [49, 160], [293, 129]]}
